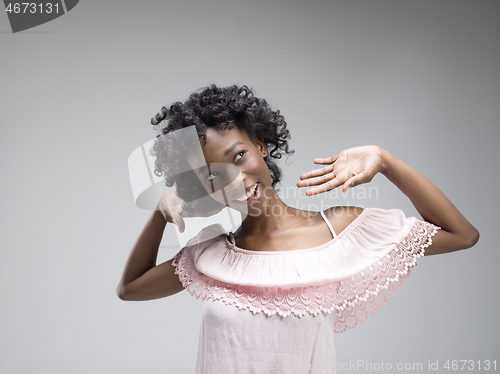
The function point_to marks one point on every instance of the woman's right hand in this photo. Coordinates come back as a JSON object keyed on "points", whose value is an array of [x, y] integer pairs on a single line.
{"points": [[170, 206]]}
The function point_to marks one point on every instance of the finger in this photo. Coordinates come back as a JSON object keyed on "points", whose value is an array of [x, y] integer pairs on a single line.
{"points": [[354, 181], [350, 183], [345, 174], [181, 225], [179, 222], [317, 172], [324, 187], [329, 160], [316, 181]]}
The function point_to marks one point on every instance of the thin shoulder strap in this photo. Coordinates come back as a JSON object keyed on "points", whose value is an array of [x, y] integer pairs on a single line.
{"points": [[329, 225]]}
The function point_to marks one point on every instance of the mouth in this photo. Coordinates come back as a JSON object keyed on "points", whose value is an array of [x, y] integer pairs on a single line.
{"points": [[252, 194]]}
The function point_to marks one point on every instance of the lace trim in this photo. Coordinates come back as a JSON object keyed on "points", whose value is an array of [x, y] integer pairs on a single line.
{"points": [[353, 299]]}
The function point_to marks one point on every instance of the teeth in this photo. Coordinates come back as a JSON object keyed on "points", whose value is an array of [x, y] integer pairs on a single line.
{"points": [[249, 193]]}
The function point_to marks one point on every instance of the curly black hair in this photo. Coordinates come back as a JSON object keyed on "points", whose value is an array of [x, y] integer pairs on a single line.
{"points": [[223, 108]]}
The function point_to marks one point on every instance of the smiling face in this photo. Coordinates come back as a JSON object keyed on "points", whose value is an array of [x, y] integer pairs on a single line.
{"points": [[237, 164]]}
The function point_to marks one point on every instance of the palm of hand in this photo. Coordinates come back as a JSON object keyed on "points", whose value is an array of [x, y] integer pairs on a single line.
{"points": [[171, 207], [349, 168]]}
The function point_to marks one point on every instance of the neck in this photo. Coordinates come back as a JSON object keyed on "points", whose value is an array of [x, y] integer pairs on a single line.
{"points": [[272, 215]]}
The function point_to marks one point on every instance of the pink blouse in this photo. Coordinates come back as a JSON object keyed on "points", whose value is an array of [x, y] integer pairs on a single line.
{"points": [[271, 311]]}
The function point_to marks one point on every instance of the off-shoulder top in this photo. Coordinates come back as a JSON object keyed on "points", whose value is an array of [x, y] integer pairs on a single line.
{"points": [[277, 311]]}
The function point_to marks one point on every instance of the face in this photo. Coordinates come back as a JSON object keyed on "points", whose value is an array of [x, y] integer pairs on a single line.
{"points": [[236, 172]]}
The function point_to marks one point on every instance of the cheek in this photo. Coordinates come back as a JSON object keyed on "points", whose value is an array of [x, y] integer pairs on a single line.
{"points": [[264, 166], [259, 166], [257, 161]]}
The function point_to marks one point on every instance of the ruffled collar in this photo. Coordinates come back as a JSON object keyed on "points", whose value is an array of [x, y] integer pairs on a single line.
{"points": [[353, 274], [370, 237]]}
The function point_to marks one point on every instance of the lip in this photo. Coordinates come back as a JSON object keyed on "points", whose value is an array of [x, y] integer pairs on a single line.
{"points": [[256, 197], [247, 190]]}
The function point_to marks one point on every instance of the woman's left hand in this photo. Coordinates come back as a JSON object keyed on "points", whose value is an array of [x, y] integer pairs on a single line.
{"points": [[349, 168]]}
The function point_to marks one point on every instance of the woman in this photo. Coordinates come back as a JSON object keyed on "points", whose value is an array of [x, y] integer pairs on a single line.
{"points": [[276, 290]]}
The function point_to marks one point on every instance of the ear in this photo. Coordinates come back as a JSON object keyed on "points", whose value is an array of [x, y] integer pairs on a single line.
{"points": [[261, 147]]}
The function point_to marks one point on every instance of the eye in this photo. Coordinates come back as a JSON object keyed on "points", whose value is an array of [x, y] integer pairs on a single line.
{"points": [[239, 156], [213, 175]]}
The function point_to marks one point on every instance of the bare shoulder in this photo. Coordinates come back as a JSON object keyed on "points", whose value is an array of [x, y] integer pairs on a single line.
{"points": [[342, 216]]}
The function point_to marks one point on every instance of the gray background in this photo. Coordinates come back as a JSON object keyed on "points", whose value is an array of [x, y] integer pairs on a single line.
{"points": [[419, 78]]}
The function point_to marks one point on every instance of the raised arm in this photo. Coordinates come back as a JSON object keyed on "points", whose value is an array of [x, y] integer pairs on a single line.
{"points": [[456, 231], [142, 279], [359, 165]]}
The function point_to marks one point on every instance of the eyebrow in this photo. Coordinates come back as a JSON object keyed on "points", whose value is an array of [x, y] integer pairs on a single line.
{"points": [[227, 151]]}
